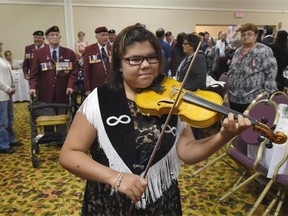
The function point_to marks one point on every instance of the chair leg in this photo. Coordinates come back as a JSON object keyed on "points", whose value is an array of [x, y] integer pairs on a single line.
{"points": [[234, 189], [281, 200], [209, 164], [273, 202], [260, 198], [239, 179]]}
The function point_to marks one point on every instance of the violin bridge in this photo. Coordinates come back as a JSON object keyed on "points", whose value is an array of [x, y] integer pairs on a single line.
{"points": [[173, 91]]}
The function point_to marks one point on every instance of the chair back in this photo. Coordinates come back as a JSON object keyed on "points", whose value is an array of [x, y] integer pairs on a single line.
{"points": [[224, 78], [261, 96], [217, 88], [264, 111], [279, 97]]}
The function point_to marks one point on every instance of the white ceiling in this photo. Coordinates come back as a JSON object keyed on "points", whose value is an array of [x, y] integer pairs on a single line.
{"points": [[221, 5]]}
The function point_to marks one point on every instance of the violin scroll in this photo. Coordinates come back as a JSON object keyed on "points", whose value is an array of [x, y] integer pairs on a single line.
{"points": [[279, 137]]}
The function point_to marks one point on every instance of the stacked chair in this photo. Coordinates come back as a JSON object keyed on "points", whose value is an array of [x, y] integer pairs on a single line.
{"points": [[238, 153], [265, 110], [224, 78], [279, 97], [233, 142], [217, 88], [280, 181]]}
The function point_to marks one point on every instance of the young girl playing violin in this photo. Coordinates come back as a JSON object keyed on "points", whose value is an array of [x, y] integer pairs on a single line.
{"points": [[110, 142]]}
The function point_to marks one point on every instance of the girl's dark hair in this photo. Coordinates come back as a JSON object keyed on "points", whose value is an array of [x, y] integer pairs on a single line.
{"points": [[125, 38]]}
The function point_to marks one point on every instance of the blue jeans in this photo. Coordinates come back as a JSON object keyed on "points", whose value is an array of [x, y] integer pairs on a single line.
{"points": [[6, 124]]}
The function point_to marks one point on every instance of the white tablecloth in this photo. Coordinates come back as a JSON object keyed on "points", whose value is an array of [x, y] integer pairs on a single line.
{"points": [[271, 157], [21, 85]]}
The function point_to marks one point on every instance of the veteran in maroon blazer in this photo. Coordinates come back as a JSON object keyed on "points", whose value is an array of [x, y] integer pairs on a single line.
{"points": [[38, 38], [54, 70], [97, 65]]}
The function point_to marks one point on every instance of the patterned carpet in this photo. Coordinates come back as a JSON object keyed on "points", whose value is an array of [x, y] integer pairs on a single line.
{"points": [[50, 190]]}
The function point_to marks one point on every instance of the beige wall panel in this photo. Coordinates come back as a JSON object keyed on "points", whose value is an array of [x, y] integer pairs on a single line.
{"points": [[18, 22], [88, 19]]}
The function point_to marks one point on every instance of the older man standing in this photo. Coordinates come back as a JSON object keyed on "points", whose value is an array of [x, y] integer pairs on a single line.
{"points": [[53, 74], [54, 70], [97, 61], [38, 39], [112, 36], [7, 137]]}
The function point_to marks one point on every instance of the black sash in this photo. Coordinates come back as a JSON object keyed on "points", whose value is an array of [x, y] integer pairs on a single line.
{"points": [[122, 135]]}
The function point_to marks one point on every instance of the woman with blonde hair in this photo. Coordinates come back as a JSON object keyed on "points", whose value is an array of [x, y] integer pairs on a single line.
{"points": [[80, 45]]}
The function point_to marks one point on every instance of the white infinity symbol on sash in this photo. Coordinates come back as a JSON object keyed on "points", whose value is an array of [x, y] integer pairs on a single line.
{"points": [[113, 120], [170, 129]]}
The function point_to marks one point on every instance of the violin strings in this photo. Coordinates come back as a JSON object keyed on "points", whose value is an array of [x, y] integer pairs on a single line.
{"points": [[213, 106]]}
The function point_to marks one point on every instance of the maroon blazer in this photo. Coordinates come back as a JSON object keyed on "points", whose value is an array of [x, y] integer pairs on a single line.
{"points": [[94, 72], [28, 58], [51, 83]]}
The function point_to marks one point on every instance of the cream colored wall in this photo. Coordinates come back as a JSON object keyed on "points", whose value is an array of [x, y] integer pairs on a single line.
{"points": [[18, 22], [172, 20], [22, 20]]}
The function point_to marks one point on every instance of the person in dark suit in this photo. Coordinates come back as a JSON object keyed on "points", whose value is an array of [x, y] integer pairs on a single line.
{"points": [[53, 79], [38, 38], [97, 65], [53, 75], [112, 36], [280, 51], [268, 36]]}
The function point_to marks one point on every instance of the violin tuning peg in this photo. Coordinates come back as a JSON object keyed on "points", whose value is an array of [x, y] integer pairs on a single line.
{"points": [[269, 144], [273, 127], [264, 120], [261, 138]]}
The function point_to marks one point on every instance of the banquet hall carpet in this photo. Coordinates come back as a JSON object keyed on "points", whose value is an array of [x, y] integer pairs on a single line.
{"points": [[50, 190]]}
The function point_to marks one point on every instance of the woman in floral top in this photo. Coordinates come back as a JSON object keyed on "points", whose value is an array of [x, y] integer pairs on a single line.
{"points": [[252, 71]]}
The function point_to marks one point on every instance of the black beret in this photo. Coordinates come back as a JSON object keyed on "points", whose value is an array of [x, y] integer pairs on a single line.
{"points": [[101, 29], [38, 33], [52, 29], [111, 31]]}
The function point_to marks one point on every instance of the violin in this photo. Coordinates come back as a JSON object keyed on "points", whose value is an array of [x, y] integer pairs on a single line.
{"points": [[199, 108]]}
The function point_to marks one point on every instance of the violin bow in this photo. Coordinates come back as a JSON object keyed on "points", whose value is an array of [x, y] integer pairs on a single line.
{"points": [[168, 119]]}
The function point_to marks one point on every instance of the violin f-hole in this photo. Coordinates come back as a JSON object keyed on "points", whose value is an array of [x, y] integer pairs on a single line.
{"points": [[165, 101]]}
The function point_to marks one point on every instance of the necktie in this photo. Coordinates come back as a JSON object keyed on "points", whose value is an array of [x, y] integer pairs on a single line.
{"points": [[104, 56], [54, 56]]}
